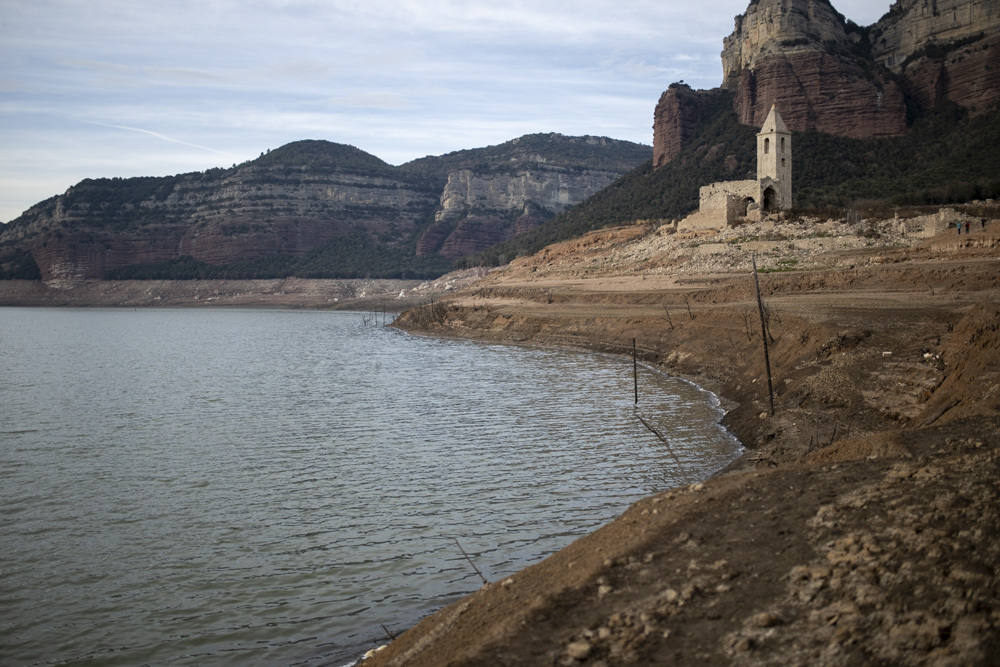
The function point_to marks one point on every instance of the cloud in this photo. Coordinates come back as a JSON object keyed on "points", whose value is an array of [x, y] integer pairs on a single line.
{"points": [[159, 136], [384, 101]]}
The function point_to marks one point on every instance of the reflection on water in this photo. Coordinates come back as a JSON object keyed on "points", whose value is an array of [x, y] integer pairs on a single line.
{"points": [[241, 487]]}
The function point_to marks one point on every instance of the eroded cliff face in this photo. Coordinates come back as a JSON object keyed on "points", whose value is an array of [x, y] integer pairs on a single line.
{"points": [[800, 55], [675, 119], [944, 50], [829, 75], [911, 25], [481, 208], [219, 219], [780, 27]]}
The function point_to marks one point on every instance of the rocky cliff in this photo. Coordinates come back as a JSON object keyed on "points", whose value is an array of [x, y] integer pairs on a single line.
{"points": [[946, 50], [313, 208], [829, 75], [481, 208]]}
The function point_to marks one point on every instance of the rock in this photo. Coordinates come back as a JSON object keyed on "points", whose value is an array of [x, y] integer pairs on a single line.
{"points": [[765, 619], [579, 650], [675, 119]]}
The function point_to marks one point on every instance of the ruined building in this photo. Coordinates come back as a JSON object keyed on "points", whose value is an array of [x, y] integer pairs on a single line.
{"points": [[722, 204]]}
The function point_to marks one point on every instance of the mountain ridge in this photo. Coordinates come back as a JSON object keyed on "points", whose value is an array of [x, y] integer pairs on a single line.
{"points": [[311, 208]]}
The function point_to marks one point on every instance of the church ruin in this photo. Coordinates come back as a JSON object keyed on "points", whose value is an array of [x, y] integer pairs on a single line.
{"points": [[722, 204]]}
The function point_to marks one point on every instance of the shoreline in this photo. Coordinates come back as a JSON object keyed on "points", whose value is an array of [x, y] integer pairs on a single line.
{"points": [[874, 479], [307, 293]]}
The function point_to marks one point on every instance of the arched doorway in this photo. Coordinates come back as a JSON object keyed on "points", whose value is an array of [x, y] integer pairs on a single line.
{"points": [[745, 206], [770, 199]]}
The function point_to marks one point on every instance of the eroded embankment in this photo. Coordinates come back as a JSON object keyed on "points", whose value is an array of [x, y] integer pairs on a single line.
{"points": [[860, 526]]}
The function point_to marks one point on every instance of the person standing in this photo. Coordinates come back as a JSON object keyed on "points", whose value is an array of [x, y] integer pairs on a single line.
{"points": [[966, 227]]}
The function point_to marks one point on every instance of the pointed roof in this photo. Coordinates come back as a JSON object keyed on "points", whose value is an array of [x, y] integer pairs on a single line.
{"points": [[774, 123]]}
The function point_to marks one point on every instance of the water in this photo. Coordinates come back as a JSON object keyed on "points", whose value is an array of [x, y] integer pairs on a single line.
{"points": [[270, 487]]}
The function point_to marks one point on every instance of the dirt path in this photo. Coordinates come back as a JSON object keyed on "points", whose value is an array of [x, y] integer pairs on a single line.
{"points": [[860, 527]]}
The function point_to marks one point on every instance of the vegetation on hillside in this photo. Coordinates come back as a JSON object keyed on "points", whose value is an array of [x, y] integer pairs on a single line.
{"points": [[574, 152], [947, 157], [322, 155], [17, 264]]}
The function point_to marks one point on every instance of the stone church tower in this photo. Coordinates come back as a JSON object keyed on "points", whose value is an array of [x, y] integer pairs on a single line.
{"points": [[774, 163], [726, 203]]}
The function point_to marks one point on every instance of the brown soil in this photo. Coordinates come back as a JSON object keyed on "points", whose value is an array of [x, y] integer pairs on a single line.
{"points": [[356, 294], [862, 524]]}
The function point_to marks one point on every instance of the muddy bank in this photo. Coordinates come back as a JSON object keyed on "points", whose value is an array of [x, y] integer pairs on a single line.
{"points": [[859, 527], [353, 294]]}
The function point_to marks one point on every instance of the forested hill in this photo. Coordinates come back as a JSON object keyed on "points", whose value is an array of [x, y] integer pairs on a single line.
{"points": [[586, 152]]}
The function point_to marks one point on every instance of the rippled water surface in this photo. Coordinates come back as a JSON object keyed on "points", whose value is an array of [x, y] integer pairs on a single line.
{"points": [[270, 487]]}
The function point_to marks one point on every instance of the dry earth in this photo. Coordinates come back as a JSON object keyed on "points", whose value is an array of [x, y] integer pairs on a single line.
{"points": [[862, 524], [347, 294]]}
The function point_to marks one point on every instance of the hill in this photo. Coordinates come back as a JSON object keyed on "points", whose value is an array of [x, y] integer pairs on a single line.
{"points": [[311, 209]]}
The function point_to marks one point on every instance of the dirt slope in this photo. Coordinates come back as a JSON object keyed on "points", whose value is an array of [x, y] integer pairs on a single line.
{"points": [[862, 524]]}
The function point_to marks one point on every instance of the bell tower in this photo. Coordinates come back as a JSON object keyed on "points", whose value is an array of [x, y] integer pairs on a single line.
{"points": [[774, 163]]}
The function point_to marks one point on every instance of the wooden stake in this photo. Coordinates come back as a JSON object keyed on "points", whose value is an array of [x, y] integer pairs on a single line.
{"points": [[669, 319], [658, 435], [763, 334], [471, 563], [635, 373]]}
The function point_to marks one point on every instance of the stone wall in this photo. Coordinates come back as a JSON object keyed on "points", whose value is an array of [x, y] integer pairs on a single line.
{"points": [[720, 204], [719, 196]]}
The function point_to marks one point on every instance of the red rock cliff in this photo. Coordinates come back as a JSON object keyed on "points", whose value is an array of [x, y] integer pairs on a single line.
{"points": [[944, 50], [800, 55], [828, 75]]}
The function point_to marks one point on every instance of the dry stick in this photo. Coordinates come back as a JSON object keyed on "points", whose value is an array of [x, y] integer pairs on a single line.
{"points": [[388, 634], [471, 563], [669, 320], [658, 435], [635, 373], [688, 303], [763, 334]]}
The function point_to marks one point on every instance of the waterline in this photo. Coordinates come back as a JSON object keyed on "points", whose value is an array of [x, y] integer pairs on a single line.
{"points": [[233, 487]]}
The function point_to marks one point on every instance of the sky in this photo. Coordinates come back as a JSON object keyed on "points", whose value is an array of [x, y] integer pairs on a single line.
{"points": [[108, 88]]}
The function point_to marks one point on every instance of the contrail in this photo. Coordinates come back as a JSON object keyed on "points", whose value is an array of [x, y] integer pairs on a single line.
{"points": [[162, 137]]}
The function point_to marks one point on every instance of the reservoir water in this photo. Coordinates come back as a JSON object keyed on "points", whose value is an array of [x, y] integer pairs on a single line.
{"points": [[234, 487]]}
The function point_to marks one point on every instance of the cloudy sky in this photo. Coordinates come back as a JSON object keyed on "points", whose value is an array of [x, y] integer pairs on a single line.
{"points": [[132, 87]]}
